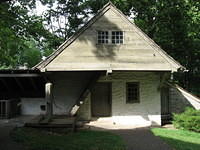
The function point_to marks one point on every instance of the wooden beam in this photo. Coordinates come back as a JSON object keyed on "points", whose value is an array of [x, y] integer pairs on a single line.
{"points": [[20, 75], [49, 99], [30, 94], [5, 84], [34, 85], [19, 84], [85, 93]]}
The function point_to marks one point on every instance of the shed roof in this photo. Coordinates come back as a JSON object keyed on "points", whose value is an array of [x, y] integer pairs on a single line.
{"points": [[17, 83]]}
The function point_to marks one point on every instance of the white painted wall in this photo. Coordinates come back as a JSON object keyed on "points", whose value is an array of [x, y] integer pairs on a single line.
{"points": [[147, 112], [67, 87], [31, 106]]}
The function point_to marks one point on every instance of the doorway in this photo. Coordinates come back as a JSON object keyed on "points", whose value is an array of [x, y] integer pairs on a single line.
{"points": [[101, 100]]}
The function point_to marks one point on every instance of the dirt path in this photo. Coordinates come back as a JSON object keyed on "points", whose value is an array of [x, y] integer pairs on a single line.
{"points": [[6, 143], [141, 139]]}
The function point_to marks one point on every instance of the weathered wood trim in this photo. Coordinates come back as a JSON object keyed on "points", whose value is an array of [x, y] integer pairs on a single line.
{"points": [[20, 75]]}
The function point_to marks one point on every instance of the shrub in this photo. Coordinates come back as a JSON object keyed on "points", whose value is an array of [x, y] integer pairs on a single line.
{"points": [[188, 120]]}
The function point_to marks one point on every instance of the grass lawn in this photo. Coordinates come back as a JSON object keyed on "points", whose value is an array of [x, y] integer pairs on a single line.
{"points": [[179, 139], [38, 139]]}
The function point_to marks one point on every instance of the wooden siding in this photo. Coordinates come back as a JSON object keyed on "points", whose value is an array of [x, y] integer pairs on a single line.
{"points": [[137, 53]]}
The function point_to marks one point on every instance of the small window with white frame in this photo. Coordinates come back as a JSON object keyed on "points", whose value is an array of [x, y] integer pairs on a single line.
{"points": [[102, 37], [117, 37]]}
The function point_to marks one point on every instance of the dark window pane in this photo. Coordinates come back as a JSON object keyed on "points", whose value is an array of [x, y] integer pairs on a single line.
{"points": [[117, 37], [102, 37], [132, 92]]}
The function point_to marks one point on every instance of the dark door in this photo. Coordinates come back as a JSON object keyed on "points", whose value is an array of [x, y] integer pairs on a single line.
{"points": [[165, 101], [101, 100], [165, 106]]}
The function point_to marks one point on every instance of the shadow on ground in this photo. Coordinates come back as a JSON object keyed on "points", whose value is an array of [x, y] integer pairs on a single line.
{"points": [[181, 145]]}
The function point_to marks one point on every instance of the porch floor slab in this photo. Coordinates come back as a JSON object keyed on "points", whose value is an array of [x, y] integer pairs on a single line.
{"points": [[107, 123], [55, 122]]}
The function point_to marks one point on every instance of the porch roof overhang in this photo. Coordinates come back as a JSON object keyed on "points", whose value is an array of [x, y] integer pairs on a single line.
{"points": [[21, 83]]}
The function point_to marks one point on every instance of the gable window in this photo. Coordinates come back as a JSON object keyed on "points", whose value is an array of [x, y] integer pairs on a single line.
{"points": [[110, 37], [117, 37], [132, 92], [102, 37]]}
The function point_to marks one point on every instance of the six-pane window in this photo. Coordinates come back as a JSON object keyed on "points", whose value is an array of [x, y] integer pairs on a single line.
{"points": [[117, 37], [103, 37], [132, 92]]}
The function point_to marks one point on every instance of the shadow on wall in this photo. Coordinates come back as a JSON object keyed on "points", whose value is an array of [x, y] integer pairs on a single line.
{"points": [[67, 88], [178, 101], [101, 51]]}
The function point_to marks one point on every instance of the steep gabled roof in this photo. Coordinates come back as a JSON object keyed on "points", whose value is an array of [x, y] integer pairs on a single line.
{"points": [[108, 6], [73, 37]]}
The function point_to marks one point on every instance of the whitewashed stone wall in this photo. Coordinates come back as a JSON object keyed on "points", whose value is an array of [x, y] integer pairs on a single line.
{"points": [[84, 112], [147, 112], [67, 87], [180, 99], [31, 106]]}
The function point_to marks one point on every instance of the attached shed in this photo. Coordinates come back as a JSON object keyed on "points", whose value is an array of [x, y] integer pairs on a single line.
{"points": [[16, 85]]}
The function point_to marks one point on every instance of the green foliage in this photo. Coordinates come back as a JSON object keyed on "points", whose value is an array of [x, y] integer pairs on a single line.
{"points": [[188, 120], [66, 17], [19, 27], [36, 139], [179, 139], [32, 55]]}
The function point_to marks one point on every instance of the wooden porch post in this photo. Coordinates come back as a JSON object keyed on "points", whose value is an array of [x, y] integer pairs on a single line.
{"points": [[49, 99]]}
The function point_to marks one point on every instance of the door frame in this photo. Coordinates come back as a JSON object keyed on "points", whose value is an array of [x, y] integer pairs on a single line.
{"points": [[110, 99]]}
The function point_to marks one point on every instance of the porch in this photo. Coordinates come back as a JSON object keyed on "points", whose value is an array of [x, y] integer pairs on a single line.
{"points": [[65, 92]]}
